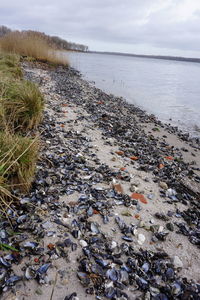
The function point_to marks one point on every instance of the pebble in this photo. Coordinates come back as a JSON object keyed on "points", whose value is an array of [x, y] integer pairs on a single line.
{"points": [[170, 193], [39, 292], [113, 245], [83, 243], [160, 229], [163, 185], [170, 226], [133, 188], [48, 180], [177, 262], [141, 238]]}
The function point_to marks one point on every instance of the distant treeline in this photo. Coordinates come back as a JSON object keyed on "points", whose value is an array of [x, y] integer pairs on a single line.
{"points": [[188, 59], [54, 41]]}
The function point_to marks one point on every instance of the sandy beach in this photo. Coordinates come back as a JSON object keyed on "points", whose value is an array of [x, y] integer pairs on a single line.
{"points": [[112, 179]]}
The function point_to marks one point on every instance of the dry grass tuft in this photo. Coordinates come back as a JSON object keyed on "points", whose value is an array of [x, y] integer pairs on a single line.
{"points": [[21, 108], [18, 156], [21, 104], [10, 60], [31, 45], [6, 198], [9, 66]]}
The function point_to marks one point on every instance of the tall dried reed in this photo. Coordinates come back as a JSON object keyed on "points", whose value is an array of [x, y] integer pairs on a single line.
{"points": [[31, 45]]}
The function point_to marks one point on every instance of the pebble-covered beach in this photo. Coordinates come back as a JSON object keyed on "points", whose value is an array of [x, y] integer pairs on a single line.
{"points": [[114, 211]]}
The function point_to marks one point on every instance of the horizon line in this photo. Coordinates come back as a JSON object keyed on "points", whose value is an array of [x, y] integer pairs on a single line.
{"points": [[165, 57]]}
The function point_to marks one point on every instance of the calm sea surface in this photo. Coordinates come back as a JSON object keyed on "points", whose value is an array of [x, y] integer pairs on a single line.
{"points": [[168, 89]]}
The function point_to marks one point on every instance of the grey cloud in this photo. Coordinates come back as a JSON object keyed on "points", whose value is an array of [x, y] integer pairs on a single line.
{"points": [[127, 22]]}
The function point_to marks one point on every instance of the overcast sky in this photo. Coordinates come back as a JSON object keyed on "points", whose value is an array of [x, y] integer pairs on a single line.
{"points": [[166, 27]]}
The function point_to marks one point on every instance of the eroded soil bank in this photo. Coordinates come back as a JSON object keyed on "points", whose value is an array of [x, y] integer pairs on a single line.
{"points": [[114, 210]]}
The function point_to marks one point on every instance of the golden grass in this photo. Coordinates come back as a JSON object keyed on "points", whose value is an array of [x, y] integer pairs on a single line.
{"points": [[10, 60], [4, 82], [21, 105], [6, 197], [31, 45], [21, 108], [18, 156], [9, 66]]}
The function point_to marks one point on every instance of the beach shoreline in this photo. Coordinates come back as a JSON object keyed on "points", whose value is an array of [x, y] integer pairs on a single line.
{"points": [[126, 165]]}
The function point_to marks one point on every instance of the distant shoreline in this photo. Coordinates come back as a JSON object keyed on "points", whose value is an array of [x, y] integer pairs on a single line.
{"points": [[176, 58]]}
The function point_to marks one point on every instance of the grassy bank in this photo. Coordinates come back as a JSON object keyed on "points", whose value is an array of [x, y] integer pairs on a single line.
{"points": [[21, 107], [21, 110]]}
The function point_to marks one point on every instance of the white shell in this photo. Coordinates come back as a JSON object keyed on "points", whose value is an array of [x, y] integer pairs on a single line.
{"points": [[83, 243], [141, 238]]}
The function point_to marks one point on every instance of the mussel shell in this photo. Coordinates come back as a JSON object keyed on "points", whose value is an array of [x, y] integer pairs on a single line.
{"points": [[5, 263], [12, 280], [30, 273], [43, 269], [71, 297]]}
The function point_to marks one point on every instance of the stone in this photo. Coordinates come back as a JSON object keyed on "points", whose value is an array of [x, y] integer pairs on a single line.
{"points": [[177, 262], [83, 243], [126, 213], [170, 226], [163, 185], [48, 181], [113, 245], [160, 229], [39, 292], [140, 197], [170, 192], [119, 152], [133, 188], [141, 238], [118, 188]]}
